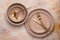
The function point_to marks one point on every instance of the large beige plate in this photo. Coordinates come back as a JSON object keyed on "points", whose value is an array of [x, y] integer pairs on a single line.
{"points": [[40, 23]]}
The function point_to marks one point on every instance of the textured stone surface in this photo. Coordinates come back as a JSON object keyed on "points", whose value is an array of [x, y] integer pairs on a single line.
{"points": [[9, 32]]}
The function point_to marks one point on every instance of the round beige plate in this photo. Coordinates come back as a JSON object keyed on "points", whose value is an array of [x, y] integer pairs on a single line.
{"points": [[16, 14], [40, 23]]}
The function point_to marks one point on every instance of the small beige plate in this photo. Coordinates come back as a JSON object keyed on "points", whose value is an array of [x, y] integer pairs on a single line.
{"points": [[16, 14]]}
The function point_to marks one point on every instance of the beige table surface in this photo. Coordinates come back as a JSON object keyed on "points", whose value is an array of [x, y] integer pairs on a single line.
{"points": [[9, 32]]}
